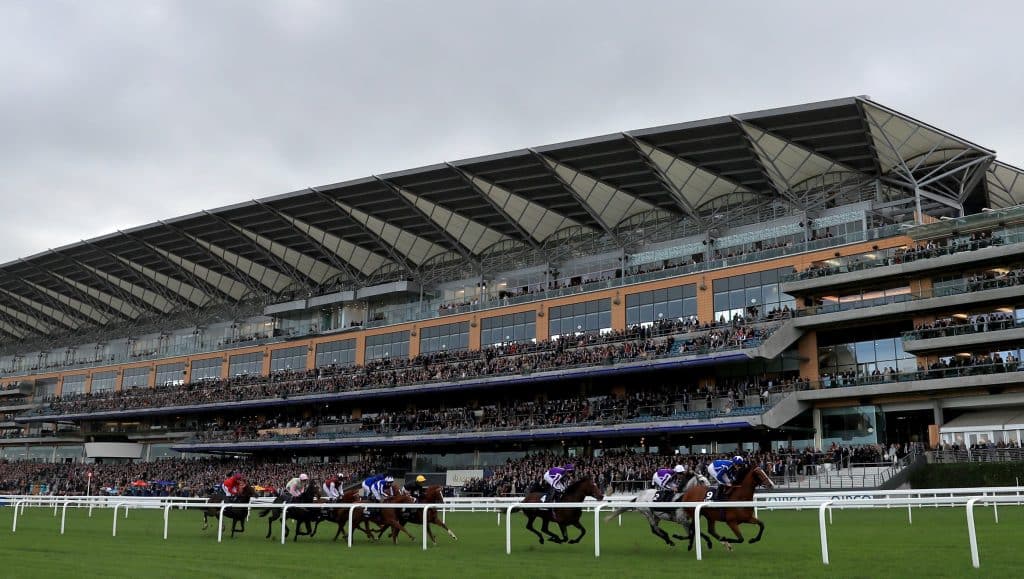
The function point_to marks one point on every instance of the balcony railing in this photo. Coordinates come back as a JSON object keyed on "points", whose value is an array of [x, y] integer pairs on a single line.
{"points": [[965, 329]]}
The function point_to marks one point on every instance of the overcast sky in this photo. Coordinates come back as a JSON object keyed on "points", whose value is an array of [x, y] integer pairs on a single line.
{"points": [[116, 114]]}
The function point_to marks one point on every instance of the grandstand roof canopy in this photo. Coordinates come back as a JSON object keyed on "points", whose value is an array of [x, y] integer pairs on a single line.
{"points": [[403, 223]]}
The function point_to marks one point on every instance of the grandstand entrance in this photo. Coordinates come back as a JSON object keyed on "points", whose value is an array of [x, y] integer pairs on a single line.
{"points": [[907, 426]]}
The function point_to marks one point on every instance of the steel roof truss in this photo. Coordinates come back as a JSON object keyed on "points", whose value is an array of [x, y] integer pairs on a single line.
{"points": [[126, 297], [397, 258], [453, 243], [254, 285], [572, 192], [172, 298], [78, 317], [194, 280], [107, 310], [296, 276], [330, 256], [58, 316], [524, 236]]}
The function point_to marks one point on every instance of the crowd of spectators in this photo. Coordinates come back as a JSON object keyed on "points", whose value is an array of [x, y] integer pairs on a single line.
{"points": [[634, 344], [959, 325], [917, 251], [946, 367], [177, 476], [993, 279], [624, 471]]}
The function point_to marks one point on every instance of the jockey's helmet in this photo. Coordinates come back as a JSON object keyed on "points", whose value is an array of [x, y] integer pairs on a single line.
{"points": [[389, 479], [303, 476], [341, 475], [680, 469], [738, 460], [421, 479], [569, 468]]}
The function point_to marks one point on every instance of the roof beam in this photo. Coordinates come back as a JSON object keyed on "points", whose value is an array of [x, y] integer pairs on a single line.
{"points": [[207, 287], [80, 319], [453, 244], [675, 193], [397, 258], [757, 153], [107, 310], [325, 253], [523, 235], [568, 189], [296, 275], [170, 297], [127, 297], [18, 324], [38, 309], [254, 285]]}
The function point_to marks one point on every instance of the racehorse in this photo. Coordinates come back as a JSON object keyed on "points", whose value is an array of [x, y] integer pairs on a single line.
{"points": [[383, 517], [673, 515], [749, 479], [564, 517], [236, 514], [432, 495], [302, 515]]}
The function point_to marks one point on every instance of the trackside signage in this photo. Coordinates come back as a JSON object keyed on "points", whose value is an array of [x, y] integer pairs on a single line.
{"points": [[458, 478], [790, 498]]}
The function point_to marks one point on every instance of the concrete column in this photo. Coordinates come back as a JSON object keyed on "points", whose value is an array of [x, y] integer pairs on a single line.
{"points": [[937, 412], [816, 422]]}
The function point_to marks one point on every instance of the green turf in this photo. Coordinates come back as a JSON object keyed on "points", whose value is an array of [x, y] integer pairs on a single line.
{"points": [[864, 543]]}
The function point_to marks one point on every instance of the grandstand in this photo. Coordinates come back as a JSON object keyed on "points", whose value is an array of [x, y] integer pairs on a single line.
{"points": [[834, 275]]}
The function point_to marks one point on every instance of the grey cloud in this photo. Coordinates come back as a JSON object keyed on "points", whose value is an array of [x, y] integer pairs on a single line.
{"points": [[115, 114]]}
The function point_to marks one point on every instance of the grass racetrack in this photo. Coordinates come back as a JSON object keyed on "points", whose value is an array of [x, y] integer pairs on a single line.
{"points": [[862, 543]]}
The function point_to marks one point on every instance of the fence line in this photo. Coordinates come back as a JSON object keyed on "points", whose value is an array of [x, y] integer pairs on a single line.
{"points": [[969, 498]]}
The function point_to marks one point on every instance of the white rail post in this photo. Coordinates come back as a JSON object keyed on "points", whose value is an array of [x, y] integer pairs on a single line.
{"points": [[823, 530], [284, 522], [63, 515], [425, 510], [508, 528], [696, 530], [910, 514], [220, 522], [55, 505], [597, 530], [126, 510], [116, 506], [499, 515], [167, 516], [972, 534], [995, 509], [91, 504], [14, 526], [351, 529]]}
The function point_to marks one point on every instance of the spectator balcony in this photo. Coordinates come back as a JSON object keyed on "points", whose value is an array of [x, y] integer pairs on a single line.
{"points": [[544, 366], [966, 335], [862, 270], [999, 287]]}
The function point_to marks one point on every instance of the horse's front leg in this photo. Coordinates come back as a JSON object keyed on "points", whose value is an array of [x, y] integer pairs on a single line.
{"points": [[583, 531], [727, 543], [206, 521], [529, 527], [760, 528], [547, 531], [736, 531]]}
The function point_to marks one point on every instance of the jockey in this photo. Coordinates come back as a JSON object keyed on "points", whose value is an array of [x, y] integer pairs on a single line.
{"points": [[557, 479], [724, 471], [415, 488], [665, 480], [332, 486], [297, 485], [233, 484], [382, 488], [369, 483]]}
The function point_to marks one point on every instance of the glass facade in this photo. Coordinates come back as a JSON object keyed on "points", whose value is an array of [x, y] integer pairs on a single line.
{"points": [[339, 353], [73, 384], [393, 345], [104, 381], [446, 337], [592, 316], [736, 295], [851, 426], [289, 359], [170, 374], [674, 303], [521, 327], [244, 364], [206, 369], [864, 358], [135, 378]]}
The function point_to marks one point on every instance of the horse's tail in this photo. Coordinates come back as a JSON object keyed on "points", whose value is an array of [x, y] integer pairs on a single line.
{"points": [[618, 512]]}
